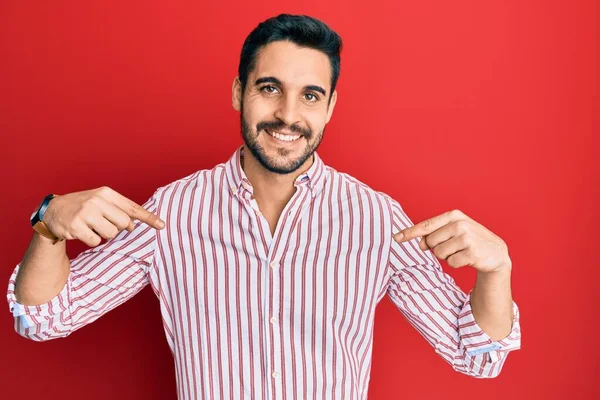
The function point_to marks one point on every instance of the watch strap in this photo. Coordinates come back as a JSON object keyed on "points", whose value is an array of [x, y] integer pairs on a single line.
{"points": [[38, 225], [41, 228]]}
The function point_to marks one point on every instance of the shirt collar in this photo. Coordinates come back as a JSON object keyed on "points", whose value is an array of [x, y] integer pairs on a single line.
{"points": [[313, 178]]}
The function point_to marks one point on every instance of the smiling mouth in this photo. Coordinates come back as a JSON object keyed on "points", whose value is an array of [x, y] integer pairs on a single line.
{"points": [[283, 138]]}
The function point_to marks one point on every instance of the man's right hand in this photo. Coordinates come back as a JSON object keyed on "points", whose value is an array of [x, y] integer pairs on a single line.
{"points": [[95, 214]]}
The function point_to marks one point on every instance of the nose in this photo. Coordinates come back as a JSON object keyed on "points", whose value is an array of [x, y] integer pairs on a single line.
{"points": [[287, 110]]}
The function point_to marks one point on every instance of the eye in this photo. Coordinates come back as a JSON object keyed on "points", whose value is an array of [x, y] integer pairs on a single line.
{"points": [[311, 97], [269, 89]]}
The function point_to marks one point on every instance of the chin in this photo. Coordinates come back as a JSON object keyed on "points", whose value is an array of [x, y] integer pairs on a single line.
{"points": [[281, 168], [280, 164]]}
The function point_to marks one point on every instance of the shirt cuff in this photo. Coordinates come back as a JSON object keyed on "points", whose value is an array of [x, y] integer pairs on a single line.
{"points": [[33, 315], [476, 341]]}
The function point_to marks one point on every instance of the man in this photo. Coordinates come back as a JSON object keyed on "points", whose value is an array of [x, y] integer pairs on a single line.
{"points": [[269, 267]]}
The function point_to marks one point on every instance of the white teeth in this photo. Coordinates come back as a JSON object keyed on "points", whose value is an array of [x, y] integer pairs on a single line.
{"points": [[285, 138]]}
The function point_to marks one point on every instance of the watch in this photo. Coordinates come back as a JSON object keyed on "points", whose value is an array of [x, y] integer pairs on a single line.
{"points": [[36, 220]]}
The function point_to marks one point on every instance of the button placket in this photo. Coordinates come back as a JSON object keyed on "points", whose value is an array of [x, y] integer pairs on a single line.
{"points": [[279, 239], [275, 359], [275, 308]]}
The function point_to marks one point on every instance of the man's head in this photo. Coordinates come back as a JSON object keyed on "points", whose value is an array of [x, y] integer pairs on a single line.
{"points": [[285, 90]]}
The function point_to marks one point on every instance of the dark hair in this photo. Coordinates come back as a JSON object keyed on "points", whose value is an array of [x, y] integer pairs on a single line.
{"points": [[301, 30]]}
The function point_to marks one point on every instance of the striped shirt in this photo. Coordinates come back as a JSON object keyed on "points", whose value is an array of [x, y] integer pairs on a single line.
{"points": [[252, 315]]}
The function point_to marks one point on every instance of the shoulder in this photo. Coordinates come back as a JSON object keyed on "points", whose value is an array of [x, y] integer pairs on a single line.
{"points": [[350, 193], [378, 204], [190, 183], [349, 187]]}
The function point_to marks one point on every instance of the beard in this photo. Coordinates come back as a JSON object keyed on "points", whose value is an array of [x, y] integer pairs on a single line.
{"points": [[279, 164]]}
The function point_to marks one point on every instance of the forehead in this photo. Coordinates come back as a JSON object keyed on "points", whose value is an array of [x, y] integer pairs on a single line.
{"points": [[293, 65]]}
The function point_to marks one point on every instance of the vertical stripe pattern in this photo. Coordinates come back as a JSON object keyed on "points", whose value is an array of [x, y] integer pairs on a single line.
{"points": [[254, 315]]}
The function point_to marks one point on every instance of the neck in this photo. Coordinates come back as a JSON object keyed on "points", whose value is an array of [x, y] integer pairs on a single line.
{"points": [[270, 187]]}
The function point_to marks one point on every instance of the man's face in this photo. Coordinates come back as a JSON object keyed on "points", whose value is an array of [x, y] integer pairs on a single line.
{"points": [[285, 106]]}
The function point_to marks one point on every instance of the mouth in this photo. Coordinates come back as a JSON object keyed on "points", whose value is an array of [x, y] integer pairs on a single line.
{"points": [[285, 138]]}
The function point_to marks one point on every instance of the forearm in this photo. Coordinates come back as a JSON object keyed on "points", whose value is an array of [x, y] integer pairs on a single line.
{"points": [[492, 304], [43, 271]]}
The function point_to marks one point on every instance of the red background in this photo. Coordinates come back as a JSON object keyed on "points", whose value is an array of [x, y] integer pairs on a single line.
{"points": [[488, 107]]}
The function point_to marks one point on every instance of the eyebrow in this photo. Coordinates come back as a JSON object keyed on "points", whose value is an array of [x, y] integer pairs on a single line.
{"points": [[272, 79]]}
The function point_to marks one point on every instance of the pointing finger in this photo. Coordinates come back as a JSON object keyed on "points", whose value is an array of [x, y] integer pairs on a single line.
{"points": [[425, 227], [135, 211]]}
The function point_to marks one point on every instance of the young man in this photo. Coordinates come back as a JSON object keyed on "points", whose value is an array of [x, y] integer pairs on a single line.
{"points": [[269, 267]]}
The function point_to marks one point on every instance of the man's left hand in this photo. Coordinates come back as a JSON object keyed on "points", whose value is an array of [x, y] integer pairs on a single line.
{"points": [[460, 240]]}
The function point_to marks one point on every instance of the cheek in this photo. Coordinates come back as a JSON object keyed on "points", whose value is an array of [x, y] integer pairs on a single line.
{"points": [[316, 121], [256, 111]]}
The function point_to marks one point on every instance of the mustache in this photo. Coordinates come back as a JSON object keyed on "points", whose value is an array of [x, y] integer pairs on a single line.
{"points": [[279, 125]]}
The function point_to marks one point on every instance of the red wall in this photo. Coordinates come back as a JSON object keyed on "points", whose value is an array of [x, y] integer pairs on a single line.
{"points": [[489, 107]]}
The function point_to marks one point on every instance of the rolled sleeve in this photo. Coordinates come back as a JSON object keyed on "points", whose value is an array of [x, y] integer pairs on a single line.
{"points": [[44, 321], [476, 341]]}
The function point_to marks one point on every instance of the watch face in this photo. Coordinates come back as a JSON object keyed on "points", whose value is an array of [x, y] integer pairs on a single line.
{"points": [[36, 211], [33, 219]]}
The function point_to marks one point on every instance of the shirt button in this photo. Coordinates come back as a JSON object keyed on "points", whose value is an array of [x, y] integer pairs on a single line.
{"points": [[274, 320], [259, 213], [274, 265], [233, 189], [275, 375]]}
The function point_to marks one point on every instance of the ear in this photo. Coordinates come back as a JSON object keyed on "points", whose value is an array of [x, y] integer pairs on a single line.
{"points": [[331, 106], [236, 94]]}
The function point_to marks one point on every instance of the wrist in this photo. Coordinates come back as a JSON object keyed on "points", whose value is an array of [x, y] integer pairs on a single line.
{"points": [[37, 222], [38, 237], [49, 211], [502, 272], [505, 268]]}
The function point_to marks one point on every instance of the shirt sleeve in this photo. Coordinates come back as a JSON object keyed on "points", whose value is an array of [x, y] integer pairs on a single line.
{"points": [[100, 279], [441, 312]]}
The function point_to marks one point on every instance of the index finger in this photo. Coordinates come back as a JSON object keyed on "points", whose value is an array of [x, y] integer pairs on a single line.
{"points": [[423, 228], [134, 210]]}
